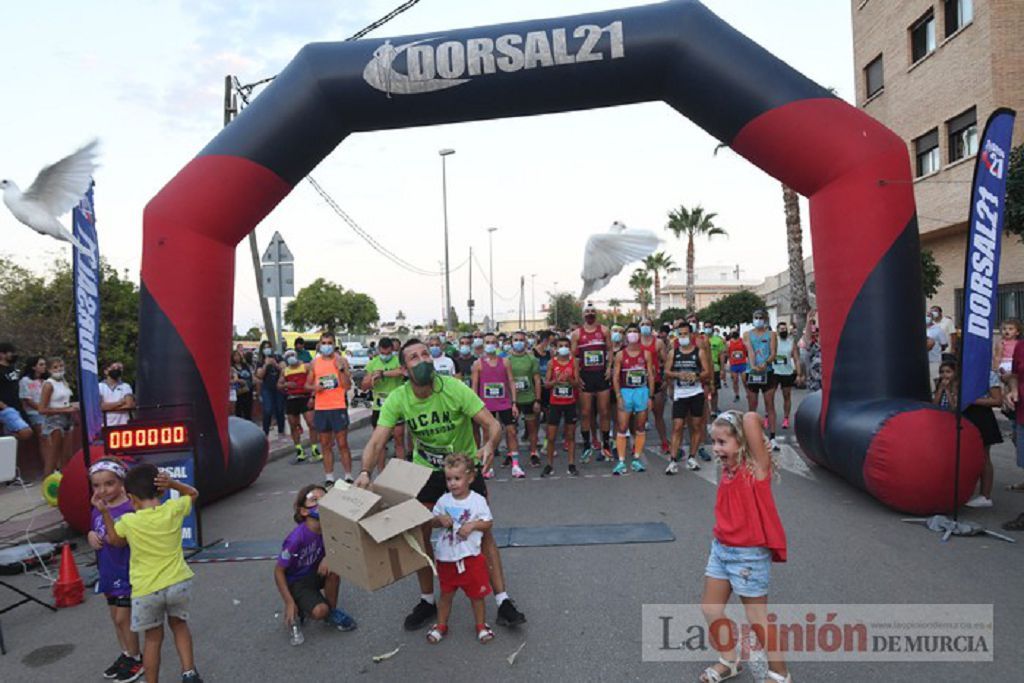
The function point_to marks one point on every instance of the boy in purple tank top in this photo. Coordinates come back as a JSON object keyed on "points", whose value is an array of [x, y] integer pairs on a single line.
{"points": [[492, 381]]}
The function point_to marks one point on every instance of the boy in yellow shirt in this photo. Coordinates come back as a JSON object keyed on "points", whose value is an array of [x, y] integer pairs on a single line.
{"points": [[161, 581]]}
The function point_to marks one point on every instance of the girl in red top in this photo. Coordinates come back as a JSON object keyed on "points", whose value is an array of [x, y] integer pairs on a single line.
{"points": [[748, 537]]}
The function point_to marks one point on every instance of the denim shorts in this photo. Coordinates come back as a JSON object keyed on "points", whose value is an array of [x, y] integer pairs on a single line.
{"points": [[748, 570], [150, 610], [330, 421], [11, 421], [635, 399]]}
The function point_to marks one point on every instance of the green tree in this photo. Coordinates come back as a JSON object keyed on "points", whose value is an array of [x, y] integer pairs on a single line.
{"points": [[37, 314], [564, 310], [325, 305], [732, 309], [1015, 194], [656, 264], [254, 334], [640, 282], [671, 314], [931, 274], [692, 223]]}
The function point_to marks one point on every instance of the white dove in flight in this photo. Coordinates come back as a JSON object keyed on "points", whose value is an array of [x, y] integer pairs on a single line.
{"points": [[54, 192], [608, 253]]}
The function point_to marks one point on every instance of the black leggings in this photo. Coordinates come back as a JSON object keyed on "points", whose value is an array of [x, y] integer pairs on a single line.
{"points": [[243, 406]]}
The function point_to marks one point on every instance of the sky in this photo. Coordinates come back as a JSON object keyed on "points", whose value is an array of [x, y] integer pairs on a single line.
{"points": [[147, 79]]}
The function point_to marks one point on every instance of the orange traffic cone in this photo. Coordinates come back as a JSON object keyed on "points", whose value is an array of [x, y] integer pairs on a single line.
{"points": [[69, 590]]}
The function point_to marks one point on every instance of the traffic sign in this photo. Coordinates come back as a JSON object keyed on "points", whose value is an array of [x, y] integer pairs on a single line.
{"points": [[277, 288], [277, 251]]}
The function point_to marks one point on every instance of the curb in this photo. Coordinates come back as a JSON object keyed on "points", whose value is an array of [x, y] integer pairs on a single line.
{"points": [[288, 450]]}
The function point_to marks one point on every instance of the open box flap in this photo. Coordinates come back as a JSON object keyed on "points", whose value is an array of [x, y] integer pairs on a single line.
{"points": [[349, 502], [400, 481], [393, 521]]}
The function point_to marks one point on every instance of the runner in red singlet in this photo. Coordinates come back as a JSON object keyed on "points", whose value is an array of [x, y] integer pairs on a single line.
{"points": [[651, 344], [591, 347]]}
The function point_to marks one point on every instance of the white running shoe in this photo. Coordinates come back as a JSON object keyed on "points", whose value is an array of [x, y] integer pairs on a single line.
{"points": [[517, 472], [774, 445], [979, 502], [673, 467], [692, 464]]}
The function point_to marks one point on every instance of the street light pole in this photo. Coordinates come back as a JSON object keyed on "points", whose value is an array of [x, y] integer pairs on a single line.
{"points": [[556, 305], [490, 244], [448, 322], [533, 297]]}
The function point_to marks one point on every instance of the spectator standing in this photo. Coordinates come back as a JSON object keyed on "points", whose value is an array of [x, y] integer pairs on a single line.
{"points": [[937, 342], [56, 407], [116, 397], [268, 372], [11, 420], [242, 377], [947, 326], [30, 391], [301, 352]]}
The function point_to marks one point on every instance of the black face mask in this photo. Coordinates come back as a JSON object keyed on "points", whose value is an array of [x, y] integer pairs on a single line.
{"points": [[115, 375]]}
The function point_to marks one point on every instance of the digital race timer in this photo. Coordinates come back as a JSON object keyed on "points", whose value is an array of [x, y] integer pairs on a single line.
{"points": [[139, 438]]}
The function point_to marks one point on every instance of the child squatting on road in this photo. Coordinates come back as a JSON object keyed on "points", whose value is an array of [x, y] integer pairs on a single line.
{"points": [[309, 589], [465, 516], [161, 581]]}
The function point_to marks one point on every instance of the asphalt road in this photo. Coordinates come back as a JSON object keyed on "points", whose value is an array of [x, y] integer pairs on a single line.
{"points": [[583, 603]]}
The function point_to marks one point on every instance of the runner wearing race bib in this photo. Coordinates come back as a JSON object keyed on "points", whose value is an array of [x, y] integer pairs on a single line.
{"points": [[786, 370], [383, 375], [633, 378], [591, 348], [654, 346], [439, 412], [296, 406], [736, 349], [687, 367], [761, 343], [329, 379], [717, 346], [526, 376], [443, 365], [492, 381], [562, 381]]}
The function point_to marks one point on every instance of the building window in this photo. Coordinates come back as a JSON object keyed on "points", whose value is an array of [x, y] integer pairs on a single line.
{"points": [[874, 78], [922, 37], [963, 135], [959, 13], [1009, 303], [926, 151]]}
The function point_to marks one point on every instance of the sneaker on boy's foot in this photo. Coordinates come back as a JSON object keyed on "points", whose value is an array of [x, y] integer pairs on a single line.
{"points": [[342, 619], [637, 466], [673, 468], [547, 471], [114, 668], [131, 671], [296, 635], [191, 677], [508, 615], [422, 613], [692, 464], [620, 468], [572, 471], [979, 502]]}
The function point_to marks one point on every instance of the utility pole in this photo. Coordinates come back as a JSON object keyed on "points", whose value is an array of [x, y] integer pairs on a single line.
{"points": [[470, 303], [533, 296], [449, 324], [522, 302], [490, 242], [231, 111]]}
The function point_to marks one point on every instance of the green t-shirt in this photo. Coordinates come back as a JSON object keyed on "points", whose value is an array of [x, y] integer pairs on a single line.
{"points": [[440, 424], [524, 367], [717, 345], [386, 385]]}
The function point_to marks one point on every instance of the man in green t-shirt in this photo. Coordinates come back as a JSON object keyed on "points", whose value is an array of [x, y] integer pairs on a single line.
{"points": [[383, 375], [440, 412], [718, 347], [526, 376]]}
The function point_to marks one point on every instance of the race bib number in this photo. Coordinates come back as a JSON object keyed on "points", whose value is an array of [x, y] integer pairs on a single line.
{"points": [[738, 355], [686, 383], [593, 359], [435, 455], [782, 360], [521, 384], [445, 372], [495, 390], [758, 378], [562, 391], [636, 378], [327, 382]]}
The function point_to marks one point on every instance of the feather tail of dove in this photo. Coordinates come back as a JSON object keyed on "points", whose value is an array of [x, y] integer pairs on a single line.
{"points": [[54, 192], [608, 253]]}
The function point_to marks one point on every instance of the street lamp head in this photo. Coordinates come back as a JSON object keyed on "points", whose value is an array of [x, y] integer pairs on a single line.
{"points": [[491, 229], [446, 152]]}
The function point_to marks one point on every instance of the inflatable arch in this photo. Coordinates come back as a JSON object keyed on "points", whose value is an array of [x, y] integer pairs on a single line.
{"points": [[872, 423]]}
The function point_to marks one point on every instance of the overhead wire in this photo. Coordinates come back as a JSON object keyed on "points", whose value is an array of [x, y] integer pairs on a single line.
{"points": [[483, 274]]}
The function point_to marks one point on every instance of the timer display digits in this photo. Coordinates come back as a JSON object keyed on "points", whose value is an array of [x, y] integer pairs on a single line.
{"points": [[147, 437]]}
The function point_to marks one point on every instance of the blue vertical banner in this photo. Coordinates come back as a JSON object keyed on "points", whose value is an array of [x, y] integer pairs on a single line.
{"points": [[981, 273], [86, 285]]}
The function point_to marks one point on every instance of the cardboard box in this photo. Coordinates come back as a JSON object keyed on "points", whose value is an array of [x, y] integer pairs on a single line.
{"points": [[363, 530]]}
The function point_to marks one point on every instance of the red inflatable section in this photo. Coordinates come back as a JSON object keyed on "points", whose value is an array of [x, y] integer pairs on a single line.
{"points": [[75, 493], [923, 485]]}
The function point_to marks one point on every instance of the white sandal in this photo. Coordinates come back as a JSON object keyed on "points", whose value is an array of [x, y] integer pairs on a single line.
{"points": [[485, 635], [711, 675], [778, 678], [436, 634]]}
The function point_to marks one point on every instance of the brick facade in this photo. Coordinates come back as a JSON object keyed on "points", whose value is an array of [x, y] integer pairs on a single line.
{"points": [[980, 65]]}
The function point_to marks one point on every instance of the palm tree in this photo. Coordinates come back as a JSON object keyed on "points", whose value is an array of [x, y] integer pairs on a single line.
{"points": [[615, 304], [656, 264], [692, 223], [640, 282], [799, 303]]}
